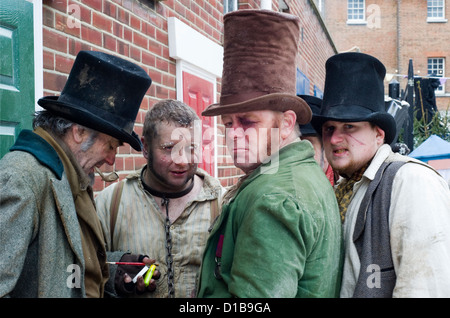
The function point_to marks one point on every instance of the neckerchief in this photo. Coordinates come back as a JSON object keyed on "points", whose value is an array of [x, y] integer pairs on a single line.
{"points": [[344, 191]]}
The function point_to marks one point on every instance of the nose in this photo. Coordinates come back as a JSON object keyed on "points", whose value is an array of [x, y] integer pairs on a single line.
{"points": [[182, 158], [336, 136], [235, 132], [110, 158]]}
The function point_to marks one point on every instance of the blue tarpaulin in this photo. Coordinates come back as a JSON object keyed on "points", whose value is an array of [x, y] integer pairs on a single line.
{"points": [[434, 148]]}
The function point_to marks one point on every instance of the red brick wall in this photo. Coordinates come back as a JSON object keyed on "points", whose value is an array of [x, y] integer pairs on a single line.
{"points": [[400, 36], [133, 30]]}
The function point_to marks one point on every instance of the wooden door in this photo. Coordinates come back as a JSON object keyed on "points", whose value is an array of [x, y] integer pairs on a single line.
{"points": [[16, 70], [199, 94]]}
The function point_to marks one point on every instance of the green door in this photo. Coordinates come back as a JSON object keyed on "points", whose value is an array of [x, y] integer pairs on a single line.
{"points": [[16, 70]]}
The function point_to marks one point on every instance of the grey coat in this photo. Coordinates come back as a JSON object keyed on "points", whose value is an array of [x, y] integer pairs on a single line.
{"points": [[40, 244]]}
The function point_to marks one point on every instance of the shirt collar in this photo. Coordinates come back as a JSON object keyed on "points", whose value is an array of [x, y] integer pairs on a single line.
{"points": [[380, 156]]}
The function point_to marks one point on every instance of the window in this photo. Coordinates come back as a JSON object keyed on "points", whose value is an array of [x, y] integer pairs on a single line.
{"points": [[436, 67], [318, 92], [356, 11], [436, 11], [302, 84], [229, 5]]}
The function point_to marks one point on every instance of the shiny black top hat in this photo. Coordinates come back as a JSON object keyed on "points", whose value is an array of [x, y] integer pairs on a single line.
{"points": [[315, 103], [104, 93], [354, 91]]}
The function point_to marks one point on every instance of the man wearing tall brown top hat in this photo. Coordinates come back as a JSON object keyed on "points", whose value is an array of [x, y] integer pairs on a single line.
{"points": [[278, 234], [395, 209], [52, 241]]}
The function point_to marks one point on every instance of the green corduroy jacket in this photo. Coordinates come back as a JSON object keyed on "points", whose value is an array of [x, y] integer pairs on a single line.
{"points": [[281, 233]]}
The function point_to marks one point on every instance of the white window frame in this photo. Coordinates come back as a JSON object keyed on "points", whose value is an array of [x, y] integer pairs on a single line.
{"points": [[435, 66], [433, 6], [350, 12]]}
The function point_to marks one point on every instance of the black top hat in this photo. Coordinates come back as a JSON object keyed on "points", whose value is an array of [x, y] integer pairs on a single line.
{"points": [[315, 103], [104, 93], [354, 91]]}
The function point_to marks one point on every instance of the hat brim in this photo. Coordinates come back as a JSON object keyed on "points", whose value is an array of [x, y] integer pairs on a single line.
{"points": [[341, 113], [80, 116], [276, 101]]}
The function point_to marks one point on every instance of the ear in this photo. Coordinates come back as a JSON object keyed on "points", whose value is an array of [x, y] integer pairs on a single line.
{"points": [[145, 147], [78, 133], [380, 134], [287, 125]]}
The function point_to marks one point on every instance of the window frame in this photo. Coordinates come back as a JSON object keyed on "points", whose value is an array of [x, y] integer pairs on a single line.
{"points": [[433, 6], [350, 17], [438, 65]]}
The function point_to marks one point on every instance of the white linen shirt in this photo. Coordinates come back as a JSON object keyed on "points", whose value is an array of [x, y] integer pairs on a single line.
{"points": [[419, 223]]}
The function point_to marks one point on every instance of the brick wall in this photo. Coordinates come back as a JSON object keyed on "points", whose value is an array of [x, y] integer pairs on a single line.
{"points": [[396, 31], [137, 30]]}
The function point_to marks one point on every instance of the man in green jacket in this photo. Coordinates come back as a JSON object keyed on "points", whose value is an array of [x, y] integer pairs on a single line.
{"points": [[279, 232]]}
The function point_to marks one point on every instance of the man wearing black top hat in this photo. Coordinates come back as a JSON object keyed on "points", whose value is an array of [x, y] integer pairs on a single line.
{"points": [[395, 210], [51, 238], [309, 133]]}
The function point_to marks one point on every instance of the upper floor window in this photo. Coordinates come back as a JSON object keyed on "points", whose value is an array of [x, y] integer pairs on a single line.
{"points": [[229, 5], [356, 12], [436, 11], [436, 68]]}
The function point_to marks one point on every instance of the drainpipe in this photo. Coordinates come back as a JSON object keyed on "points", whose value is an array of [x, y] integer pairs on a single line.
{"points": [[399, 59]]}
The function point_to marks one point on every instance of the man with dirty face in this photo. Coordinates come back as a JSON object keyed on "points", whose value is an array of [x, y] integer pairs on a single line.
{"points": [[167, 206]]}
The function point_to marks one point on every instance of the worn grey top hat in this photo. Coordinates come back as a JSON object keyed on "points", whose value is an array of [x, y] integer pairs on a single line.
{"points": [[104, 93], [354, 91]]}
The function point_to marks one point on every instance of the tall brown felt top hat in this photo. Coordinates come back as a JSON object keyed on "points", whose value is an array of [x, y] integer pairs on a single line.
{"points": [[354, 91], [104, 93], [259, 70]]}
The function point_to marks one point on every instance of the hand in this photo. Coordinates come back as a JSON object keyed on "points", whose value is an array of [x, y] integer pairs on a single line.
{"points": [[125, 273]]}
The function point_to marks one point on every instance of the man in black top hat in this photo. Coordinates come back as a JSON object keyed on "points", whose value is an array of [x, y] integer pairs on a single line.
{"points": [[52, 241], [395, 210], [309, 133]]}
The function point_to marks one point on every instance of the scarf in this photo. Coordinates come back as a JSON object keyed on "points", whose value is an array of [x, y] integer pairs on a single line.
{"points": [[344, 191], [92, 239]]}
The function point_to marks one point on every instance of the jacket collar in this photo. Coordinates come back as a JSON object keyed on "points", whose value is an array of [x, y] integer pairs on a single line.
{"points": [[37, 146], [291, 154]]}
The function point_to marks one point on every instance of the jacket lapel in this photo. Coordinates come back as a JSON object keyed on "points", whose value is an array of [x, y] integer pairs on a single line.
{"points": [[67, 212]]}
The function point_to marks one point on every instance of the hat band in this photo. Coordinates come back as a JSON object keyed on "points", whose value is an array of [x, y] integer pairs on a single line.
{"points": [[241, 97], [347, 112]]}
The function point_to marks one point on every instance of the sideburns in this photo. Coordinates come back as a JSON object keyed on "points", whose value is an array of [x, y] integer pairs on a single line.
{"points": [[86, 145]]}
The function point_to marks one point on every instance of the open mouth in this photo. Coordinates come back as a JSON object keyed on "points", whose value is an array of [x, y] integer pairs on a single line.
{"points": [[178, 173], [339, 152]]}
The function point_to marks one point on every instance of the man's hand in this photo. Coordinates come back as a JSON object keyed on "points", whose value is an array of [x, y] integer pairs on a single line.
{"points": [[125, 273]]}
